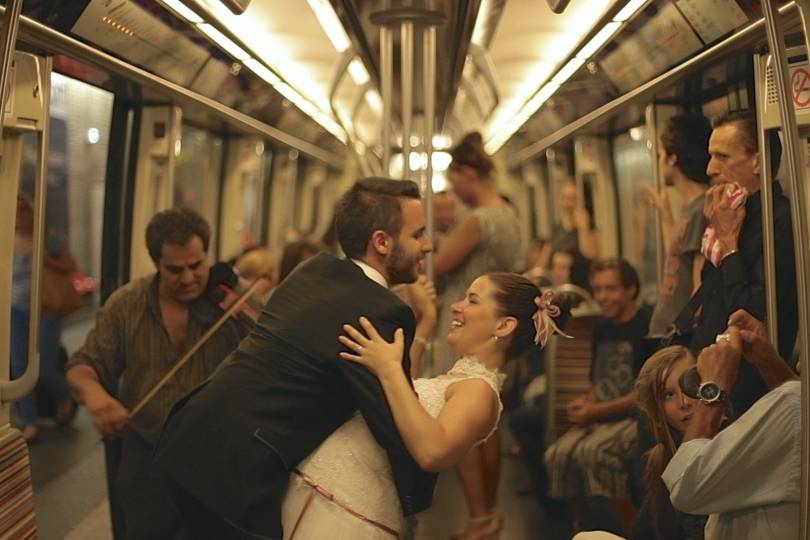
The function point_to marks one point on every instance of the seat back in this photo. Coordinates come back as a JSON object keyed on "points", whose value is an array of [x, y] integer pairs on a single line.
{"points": [[568, 370], [17, 519]]}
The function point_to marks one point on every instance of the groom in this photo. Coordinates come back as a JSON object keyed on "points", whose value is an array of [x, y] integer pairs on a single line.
{"points": [[229, 447]]}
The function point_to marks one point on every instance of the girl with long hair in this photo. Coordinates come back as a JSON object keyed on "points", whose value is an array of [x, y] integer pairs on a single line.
{"points": [[666, 410]]}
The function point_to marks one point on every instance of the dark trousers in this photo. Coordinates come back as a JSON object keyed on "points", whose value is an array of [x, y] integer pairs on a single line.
{"points": [[200, 523], [147, 503], [527, 424]]}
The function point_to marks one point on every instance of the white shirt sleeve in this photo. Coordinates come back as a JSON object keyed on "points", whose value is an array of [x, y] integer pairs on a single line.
{"points": [[756, 461]]}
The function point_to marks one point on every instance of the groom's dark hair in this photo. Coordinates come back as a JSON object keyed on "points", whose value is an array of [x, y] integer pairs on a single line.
{"points": [[371, 204]]}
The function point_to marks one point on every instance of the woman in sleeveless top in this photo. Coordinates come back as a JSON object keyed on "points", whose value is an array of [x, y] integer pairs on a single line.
{"points": [[345, 488]]}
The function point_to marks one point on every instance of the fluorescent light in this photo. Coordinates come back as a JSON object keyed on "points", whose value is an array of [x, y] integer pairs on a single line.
{"points": [[629, 10], [330, 24], [183, 11], [439, 183], [515, 123], [396, 166], [598, 40], [567, 70], [331, 126], [636, 133], [417, 161], [441, 142], [262, 71], [374, 100], [223, 41], [539, 98], [358, 72], [441, 161]]}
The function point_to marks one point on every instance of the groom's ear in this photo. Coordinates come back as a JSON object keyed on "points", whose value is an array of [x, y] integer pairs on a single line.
{"points": [[381, 242]]}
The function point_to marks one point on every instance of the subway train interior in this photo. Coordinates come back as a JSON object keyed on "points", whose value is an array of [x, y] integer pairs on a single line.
{"points": [[259, 114]]}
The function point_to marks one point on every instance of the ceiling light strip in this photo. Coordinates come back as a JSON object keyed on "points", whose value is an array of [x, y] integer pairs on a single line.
{"points": [[598, 40], [224, 42], [259, 68], [504, 133], [331, 24], [183, 11]]}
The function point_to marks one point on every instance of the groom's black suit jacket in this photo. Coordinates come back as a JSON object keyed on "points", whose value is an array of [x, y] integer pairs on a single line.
{"points": [[232, 443]]}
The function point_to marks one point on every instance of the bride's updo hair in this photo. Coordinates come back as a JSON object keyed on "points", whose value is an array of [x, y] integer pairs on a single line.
{"points": [[470, 152], [515, 296]]}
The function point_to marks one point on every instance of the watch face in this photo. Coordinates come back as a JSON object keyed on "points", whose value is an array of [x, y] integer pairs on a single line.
{"points": [[708, 391]]}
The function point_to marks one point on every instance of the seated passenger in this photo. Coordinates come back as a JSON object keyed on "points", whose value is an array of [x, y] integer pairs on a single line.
{"points": [[590, 461], [749, 474], [667, 410], [569, 266], [257, 264]]}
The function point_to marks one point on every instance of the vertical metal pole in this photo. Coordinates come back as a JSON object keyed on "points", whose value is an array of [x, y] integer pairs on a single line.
{"points": [[797, 200], [651, 125], [292, 186], [766, 192], [387, 68], [11, 22], [406, 46], [429, 77]]}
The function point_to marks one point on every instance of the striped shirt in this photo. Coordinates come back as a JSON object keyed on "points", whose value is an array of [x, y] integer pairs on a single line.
{"points": [[130, 349]]}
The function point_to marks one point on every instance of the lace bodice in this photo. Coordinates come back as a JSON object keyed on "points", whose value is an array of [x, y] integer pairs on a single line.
{"points": [[432, 392], [355, 469]]}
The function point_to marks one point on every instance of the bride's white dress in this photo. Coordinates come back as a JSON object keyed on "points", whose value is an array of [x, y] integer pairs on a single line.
{"points": [[345, 488]]}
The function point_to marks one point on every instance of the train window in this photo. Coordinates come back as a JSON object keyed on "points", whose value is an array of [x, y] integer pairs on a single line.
{"points": [[81, 115], [197, 176], [633, 168]]}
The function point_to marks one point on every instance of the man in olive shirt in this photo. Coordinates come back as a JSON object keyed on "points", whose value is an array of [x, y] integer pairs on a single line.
{"points": [[140, 331]]}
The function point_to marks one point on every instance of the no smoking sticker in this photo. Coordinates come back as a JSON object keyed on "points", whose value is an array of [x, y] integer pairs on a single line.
{"points": [[800, 85]]}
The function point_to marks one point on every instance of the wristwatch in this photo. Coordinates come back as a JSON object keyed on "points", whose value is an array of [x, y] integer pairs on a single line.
{"points": [[709, 393]]}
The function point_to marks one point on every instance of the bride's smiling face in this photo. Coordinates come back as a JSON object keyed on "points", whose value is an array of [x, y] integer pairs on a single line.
{"points": [[475, 318]]}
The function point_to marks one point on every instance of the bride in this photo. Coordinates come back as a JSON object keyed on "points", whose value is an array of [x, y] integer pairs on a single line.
{"points": [[345, 489]]}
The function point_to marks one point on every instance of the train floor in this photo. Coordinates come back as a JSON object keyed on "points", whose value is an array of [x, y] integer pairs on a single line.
{"points": [[71, 497]]}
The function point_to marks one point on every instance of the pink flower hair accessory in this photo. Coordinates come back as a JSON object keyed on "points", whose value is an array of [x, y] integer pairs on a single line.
{"points": [[543, 318]]}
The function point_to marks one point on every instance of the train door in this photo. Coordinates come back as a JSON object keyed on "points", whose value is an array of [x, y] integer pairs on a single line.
{"points": [[537, 188], [632, 163], [197, 178], [244, 192], [596, 188], [159, 145]]}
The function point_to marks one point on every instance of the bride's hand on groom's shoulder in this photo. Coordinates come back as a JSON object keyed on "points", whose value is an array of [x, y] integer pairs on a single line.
{"points": [[370, 349]]}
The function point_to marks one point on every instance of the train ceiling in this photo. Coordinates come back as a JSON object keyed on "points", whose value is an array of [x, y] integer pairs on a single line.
{"points": [[512, 69]]}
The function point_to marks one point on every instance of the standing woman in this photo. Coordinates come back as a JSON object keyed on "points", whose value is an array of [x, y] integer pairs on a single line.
{"points": [[51, 378], [486, 239]]}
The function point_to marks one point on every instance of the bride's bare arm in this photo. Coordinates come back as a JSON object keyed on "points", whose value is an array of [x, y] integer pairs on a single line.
{"points": [[439, 443]]}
